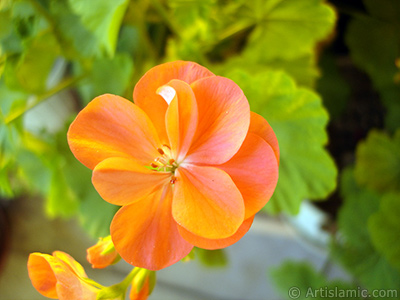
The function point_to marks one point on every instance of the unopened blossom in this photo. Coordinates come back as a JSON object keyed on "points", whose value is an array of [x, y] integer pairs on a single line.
{"points": [[187, 161], [59, 276], [102, 254], [142, 285]]}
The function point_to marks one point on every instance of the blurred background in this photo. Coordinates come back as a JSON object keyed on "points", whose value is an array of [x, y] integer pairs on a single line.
{"points": [[324, 74]]}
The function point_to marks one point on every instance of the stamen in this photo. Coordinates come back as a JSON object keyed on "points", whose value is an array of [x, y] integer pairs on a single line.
{"points": [[171, 161], [153, 165], [160, 151], [173, 179]]}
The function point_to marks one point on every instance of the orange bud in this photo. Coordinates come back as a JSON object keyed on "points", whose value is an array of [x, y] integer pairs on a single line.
{"points": [[102, 254], [59, 276], [142, 285]]}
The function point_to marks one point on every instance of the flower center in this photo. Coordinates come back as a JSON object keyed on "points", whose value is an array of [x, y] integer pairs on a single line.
{"points": [[165, 162]]}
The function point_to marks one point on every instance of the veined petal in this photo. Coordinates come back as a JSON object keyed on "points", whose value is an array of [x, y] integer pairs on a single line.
{"points": [[254, 170], [111, 126], [212, 244], [145, 234], [41, 274], [71, 262], [181, 118], [154, 105], [122, 181], [207, 202], [224, 117], [261, 127]]}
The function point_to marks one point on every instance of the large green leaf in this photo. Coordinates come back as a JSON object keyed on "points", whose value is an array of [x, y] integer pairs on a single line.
{"points": [[299, 280], [355, 249], [30, 71], [298, 118], [100, 81], [374, 42], [103, 18], [95, 214], [76, 40], [288, 29], [384, 227], [378, 162], [303, 69]]}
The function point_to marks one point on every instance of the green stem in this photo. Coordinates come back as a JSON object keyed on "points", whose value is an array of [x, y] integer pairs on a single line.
{"points": [[128, 279], [92, 283], [66, 83]]}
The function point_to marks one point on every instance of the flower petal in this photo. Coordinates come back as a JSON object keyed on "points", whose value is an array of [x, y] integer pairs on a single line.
{"points": [[261, 127], [42, 275], [207, 202], [55, 277], [154, 105], [224, 117], [254, 170], [122, 181], [181, 119], [71, 262], [145, 234], [111, 126], [212, 244]]}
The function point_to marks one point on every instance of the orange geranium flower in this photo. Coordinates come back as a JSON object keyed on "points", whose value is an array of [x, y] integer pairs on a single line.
{"points": [[187, 161], [59, 276]]}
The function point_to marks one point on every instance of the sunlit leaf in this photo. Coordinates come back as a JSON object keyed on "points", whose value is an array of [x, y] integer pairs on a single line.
{"points": [[103, 18], [303, 69], [355, 249], [384, 227], [378, 162], [298, 118], [288, 29]]}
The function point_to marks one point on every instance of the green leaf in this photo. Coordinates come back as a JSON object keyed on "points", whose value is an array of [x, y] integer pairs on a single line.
{"points": [[212, 258], [288, 29], [298, 118], [61, 201], [32, 69], [95, 214], [299, 280], [75, 39], [384, 227], [355, 250], [103, 19], [302, 69], [374, 43], [378, 162], [107, 76]]}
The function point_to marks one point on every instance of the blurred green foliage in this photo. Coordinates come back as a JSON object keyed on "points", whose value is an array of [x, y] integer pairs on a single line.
{"points": [[271, 48]]}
